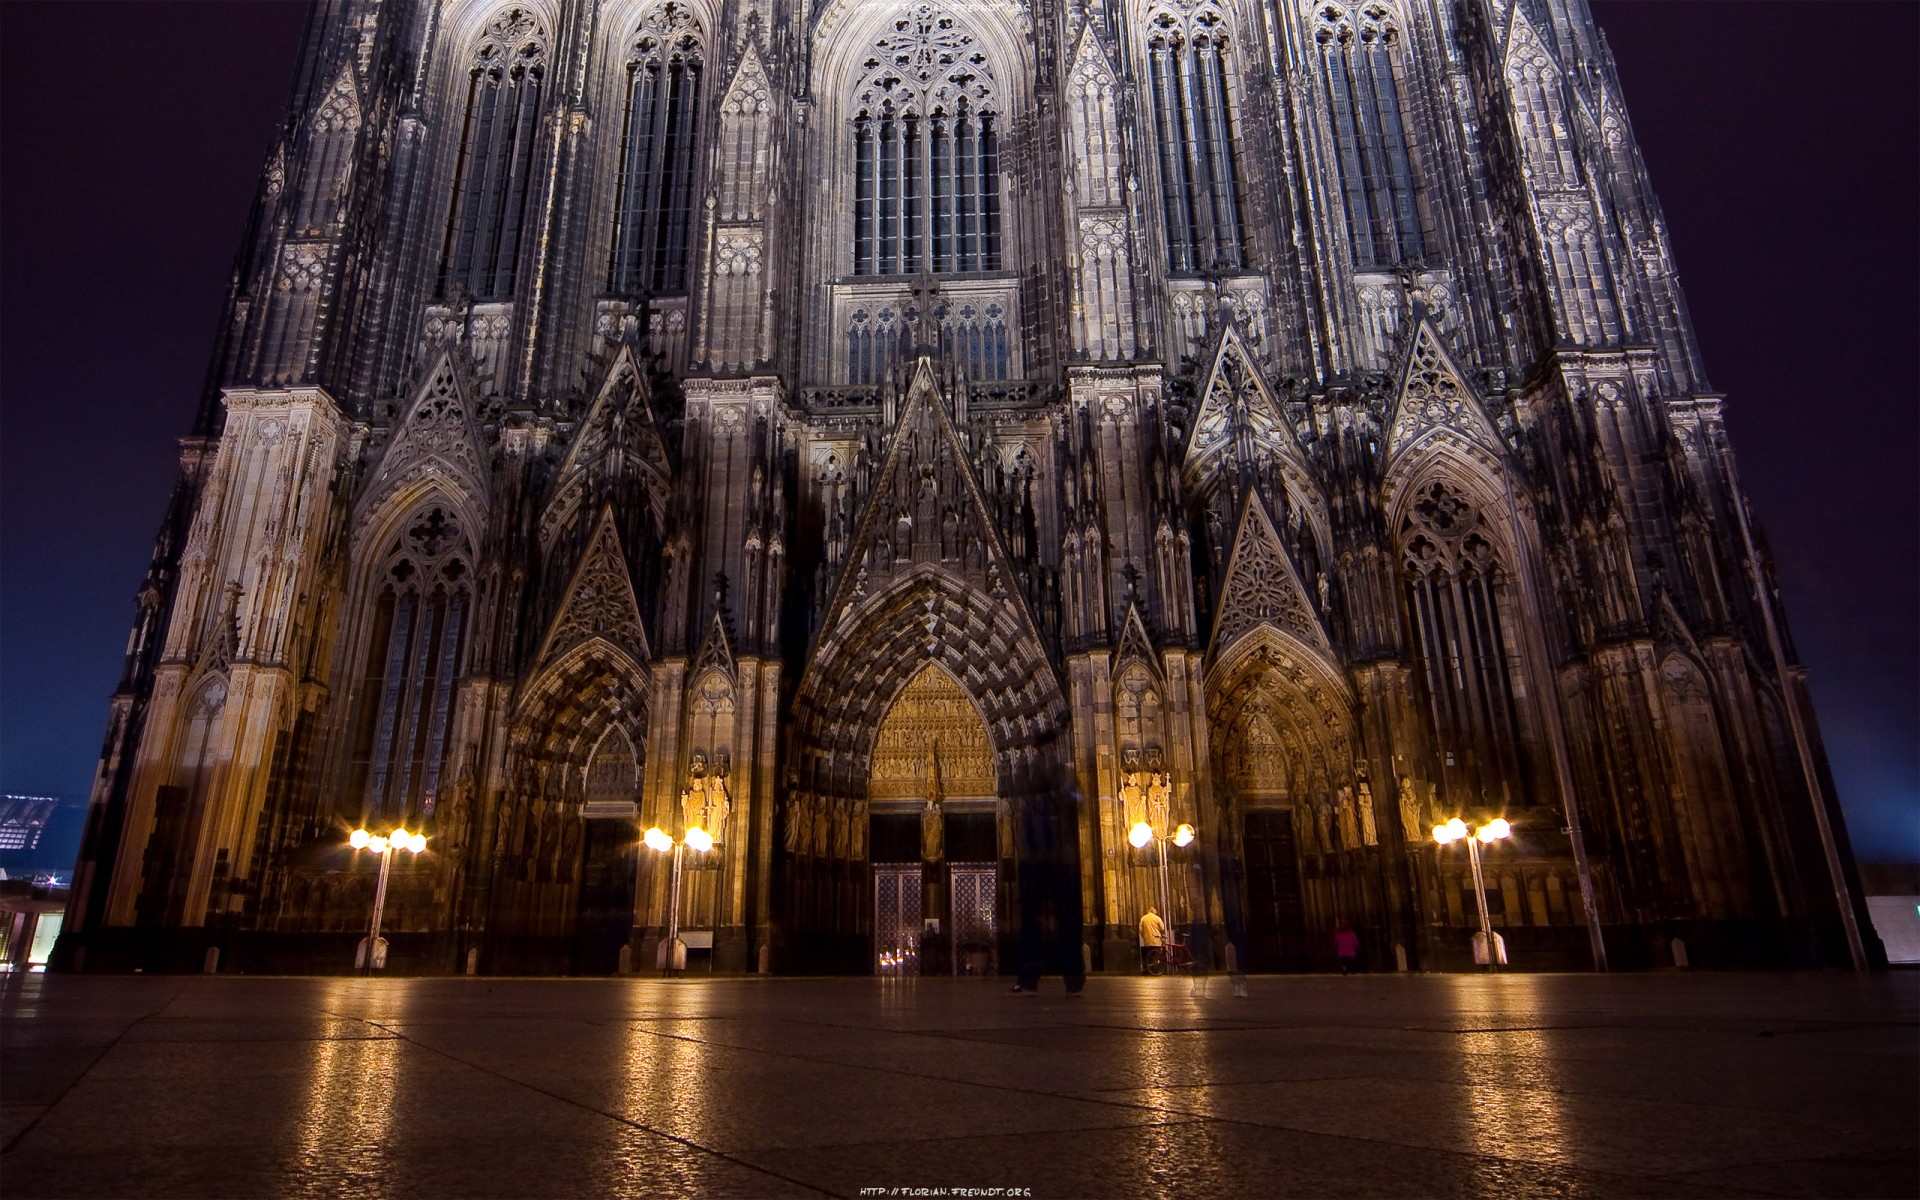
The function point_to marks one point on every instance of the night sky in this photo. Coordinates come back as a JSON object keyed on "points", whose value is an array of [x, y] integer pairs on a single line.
{"points": [[1781, 137]]}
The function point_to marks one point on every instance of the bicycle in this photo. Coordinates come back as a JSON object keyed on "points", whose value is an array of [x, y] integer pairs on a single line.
{"points": [[1171, 956]]}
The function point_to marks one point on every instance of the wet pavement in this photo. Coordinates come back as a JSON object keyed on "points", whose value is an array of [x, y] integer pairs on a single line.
{"points": [[1519, 1085]]}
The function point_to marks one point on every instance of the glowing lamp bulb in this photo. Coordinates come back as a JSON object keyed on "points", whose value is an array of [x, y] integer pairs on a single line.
{"points": [[1497, 829], [399, 837], [699, 839], [359, 838], [377, 844], [1457, 829], [1140, 835], [417, 842], [1183, 836], [657, 839]]}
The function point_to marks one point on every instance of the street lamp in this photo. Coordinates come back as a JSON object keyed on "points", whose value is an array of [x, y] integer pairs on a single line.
{"points": [[386, 846], [1493, 831], [1182, 835], [658, 841]]}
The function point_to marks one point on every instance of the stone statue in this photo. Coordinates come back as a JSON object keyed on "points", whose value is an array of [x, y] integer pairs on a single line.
{"points": [[1412, 820], [718, 807], [1133, 799], [1160, 802], [1369, 831], [1349, 827], [933, 833], [796, 826]]}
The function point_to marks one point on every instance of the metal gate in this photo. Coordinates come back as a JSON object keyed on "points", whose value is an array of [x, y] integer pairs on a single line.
{"points": [[976, 946], [896, 919]]}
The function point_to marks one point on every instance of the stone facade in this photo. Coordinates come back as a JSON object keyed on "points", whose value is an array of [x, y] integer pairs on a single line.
{"points": [[872, 432]]}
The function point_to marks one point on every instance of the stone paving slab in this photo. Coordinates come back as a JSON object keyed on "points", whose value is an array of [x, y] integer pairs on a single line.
{"points": [[1517, 1085]]}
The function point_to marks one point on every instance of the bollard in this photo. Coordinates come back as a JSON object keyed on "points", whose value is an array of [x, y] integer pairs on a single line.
{"points": [[626, 960], [1399, 958], [473, 961], [211, 964], [766, 959], [1679, 954]]}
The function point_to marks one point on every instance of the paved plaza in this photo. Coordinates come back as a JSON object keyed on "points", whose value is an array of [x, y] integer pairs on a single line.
{"points": [[1518, 1085]]}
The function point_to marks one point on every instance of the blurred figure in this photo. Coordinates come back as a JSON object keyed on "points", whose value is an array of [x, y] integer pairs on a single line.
{"points": [[1346, 945], [1049, 874]]}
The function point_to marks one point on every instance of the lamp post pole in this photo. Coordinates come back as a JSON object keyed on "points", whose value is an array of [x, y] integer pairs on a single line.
{"points": [[379, 908], [1493, 831], [385, 846], [673, 903], [656, 839]]}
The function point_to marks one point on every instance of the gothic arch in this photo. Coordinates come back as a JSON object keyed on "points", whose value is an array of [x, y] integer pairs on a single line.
{"points": [[877, 647], [565, 711]]}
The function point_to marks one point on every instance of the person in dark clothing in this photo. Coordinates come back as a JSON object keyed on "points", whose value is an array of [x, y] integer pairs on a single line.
{"points": [[1048, 828]]}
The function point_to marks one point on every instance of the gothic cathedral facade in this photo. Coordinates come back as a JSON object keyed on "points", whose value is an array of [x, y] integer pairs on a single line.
{"points": [[1193, 447]]}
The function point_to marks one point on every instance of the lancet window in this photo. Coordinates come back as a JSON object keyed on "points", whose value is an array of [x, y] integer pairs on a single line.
{"points": [[1189, 65], [654, 206], [926, 152], [416, 639], [1457, 602], [1359, 47], [499, 137]]}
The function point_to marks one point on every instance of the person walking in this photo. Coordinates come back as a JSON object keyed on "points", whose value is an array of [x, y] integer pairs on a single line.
{"points": [[1346, 945], [1048, 872], [1153, 935]]}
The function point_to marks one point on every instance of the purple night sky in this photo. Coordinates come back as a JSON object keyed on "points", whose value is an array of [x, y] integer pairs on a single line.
{"points": [[1786, 159]]}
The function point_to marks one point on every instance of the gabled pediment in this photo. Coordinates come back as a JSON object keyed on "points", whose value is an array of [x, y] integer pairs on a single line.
{"points": [[750, 91], [600, 602], [1263, 588], [925, 514], [1434, 403], [1135, 645], [437, 436], [1090, 62], [619, 436], [341, 107], [1238, 416], [716, 650]]}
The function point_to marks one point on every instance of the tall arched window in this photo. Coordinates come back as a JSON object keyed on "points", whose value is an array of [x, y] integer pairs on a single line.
{"points": [[499, 136], [654, 207], [416, 640], [1358, 46], [1188, 70], [1456, 587], [926, 152]]}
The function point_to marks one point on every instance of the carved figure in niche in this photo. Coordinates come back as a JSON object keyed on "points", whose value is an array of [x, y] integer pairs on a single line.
{"points": [[949, 535], [1133, 799], [453, 815], [842, 819], [1369, 831], [796, 825], [1003, 825], [1412, 820], [903, 536], [570, 849], [933, 833], [718, 806], [1349, 827], [1324, 815], [817, 825], [1160, 801]]}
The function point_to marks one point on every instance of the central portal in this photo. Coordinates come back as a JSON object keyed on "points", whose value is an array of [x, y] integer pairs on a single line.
{"points": [[935, 840]]}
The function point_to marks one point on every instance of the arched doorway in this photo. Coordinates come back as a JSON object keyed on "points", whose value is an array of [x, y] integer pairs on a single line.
{"points": [[1302, 829], [934, 817], [993, 694]]}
